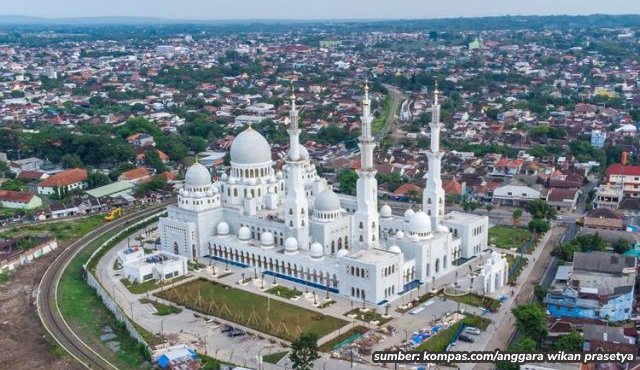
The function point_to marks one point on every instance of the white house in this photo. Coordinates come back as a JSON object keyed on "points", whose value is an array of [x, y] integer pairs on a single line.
{"points": [[514, 195]]}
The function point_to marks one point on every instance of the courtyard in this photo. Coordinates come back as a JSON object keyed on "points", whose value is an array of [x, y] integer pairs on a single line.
{"points": [[264, 314]]}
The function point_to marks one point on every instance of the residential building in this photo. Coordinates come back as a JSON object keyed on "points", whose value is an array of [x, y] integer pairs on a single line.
{"points": [[514, 195], [598, 138], [627, 176], [601, 287], [19, 199], [563, 200], [604, 219], [73, 179]]}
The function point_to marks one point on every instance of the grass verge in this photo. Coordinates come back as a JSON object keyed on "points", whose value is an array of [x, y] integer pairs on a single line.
{"points": [[147, 286], [440, 341], [328, 346], [368, 316], [284, 292], [161, 308], [475, 300], [273, 358]]}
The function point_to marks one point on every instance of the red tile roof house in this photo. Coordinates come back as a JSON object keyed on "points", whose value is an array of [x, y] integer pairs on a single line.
{"points": [[563, 199], [72, 179], [136, 175]]}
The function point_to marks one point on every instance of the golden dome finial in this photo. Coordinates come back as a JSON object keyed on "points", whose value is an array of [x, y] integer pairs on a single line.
{"points": [[293, 90]]}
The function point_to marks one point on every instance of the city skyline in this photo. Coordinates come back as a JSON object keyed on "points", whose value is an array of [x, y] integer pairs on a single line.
{"points": [[197, 10]]}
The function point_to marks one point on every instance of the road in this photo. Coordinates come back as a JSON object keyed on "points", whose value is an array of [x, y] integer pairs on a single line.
{"points": [[396, 96], [502, 330], [46, 299]]}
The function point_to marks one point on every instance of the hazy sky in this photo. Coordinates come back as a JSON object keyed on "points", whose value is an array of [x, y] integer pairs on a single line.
{"points": [[311, 9]]}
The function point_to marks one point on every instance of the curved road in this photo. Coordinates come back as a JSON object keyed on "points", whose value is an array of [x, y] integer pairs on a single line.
{"points": [[47, 294]]}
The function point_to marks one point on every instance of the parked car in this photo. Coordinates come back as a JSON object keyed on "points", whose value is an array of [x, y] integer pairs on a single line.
{"points": [[472, 330], [236, 333], [464, 338], [227, 328]]}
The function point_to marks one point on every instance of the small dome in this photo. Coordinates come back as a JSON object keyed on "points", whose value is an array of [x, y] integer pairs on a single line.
{"points": [[407, 214], [244, 233], [399, 234], [385, 211], [291, 245], [266, 238], [420, 223], [197, 175], [326, 201], [316, 250], [222, 228], [233, 180], [250, 147], [395, 249], [342, 252], [443, 229], [224, 177]]}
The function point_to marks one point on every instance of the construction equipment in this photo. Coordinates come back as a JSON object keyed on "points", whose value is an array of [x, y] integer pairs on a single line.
{"points": [[115, 213]]}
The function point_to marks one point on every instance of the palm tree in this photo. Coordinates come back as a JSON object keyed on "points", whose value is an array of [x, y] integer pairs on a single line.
{"points": [[515, 216]]}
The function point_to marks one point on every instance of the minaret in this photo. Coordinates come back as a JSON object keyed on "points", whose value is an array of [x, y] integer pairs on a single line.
{"points": [[365, 228], [433, 195], [296, 206]]}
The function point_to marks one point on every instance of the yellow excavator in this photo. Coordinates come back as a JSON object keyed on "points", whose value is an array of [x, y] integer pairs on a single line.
{"points": [[116, 213]]}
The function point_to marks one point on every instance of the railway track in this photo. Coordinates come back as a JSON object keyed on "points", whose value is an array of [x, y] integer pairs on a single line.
{"points": [[47, 294]]}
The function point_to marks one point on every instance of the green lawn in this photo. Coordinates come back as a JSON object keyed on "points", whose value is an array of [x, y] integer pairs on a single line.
{"points": [[368, 316], [273, 358], [508, 237], [440, 341], [476, 300], [63, 230], [141, 288], [87, 315], [161, 308], [423, 298], [270, 316], [328, 346], [284, 292]]}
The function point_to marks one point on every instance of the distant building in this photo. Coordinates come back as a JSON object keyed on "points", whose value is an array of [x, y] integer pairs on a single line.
{"points": [[330, 43], [514, 195], [608, 196], [563, 200], [601, 287], [477, 43], [19, 199], [26, 164], [604, 219], [141, 140], [244, 120], [598, 137], [627, 176], [68, 180]]}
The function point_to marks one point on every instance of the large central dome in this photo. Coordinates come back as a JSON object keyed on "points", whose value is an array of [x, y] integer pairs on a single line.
{"points": [[250, 147]]}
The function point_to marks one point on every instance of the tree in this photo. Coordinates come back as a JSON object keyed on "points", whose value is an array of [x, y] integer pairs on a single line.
{"points": [[530, 320], [571, 342], [71, 161], [621, 246], [538, 208], [348, 180], [97, 179], [523, 345], [539, 226], [489, 207], [304, 351], [152, 159], [515, 216]]}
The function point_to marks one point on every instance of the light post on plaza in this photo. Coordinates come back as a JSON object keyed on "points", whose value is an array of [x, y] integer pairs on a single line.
{"points": [[255, 273], [262, 282], [214, 268], [226, 266]]}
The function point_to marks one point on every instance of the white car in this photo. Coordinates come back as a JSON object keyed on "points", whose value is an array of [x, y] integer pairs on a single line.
{"points": [[472, 330]]}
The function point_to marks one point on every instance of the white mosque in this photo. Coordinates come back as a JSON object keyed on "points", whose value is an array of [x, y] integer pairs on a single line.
{"points": [[292, 225]]}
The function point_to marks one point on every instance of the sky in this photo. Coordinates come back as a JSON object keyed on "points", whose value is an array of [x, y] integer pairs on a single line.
{"points": [[311, 9]]}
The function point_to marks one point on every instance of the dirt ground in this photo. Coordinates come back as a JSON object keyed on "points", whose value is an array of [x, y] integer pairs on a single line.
{"points": [[23, 340]]}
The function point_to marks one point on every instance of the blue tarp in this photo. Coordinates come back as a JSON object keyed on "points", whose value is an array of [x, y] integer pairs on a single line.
{"points": [[164, 360]]}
